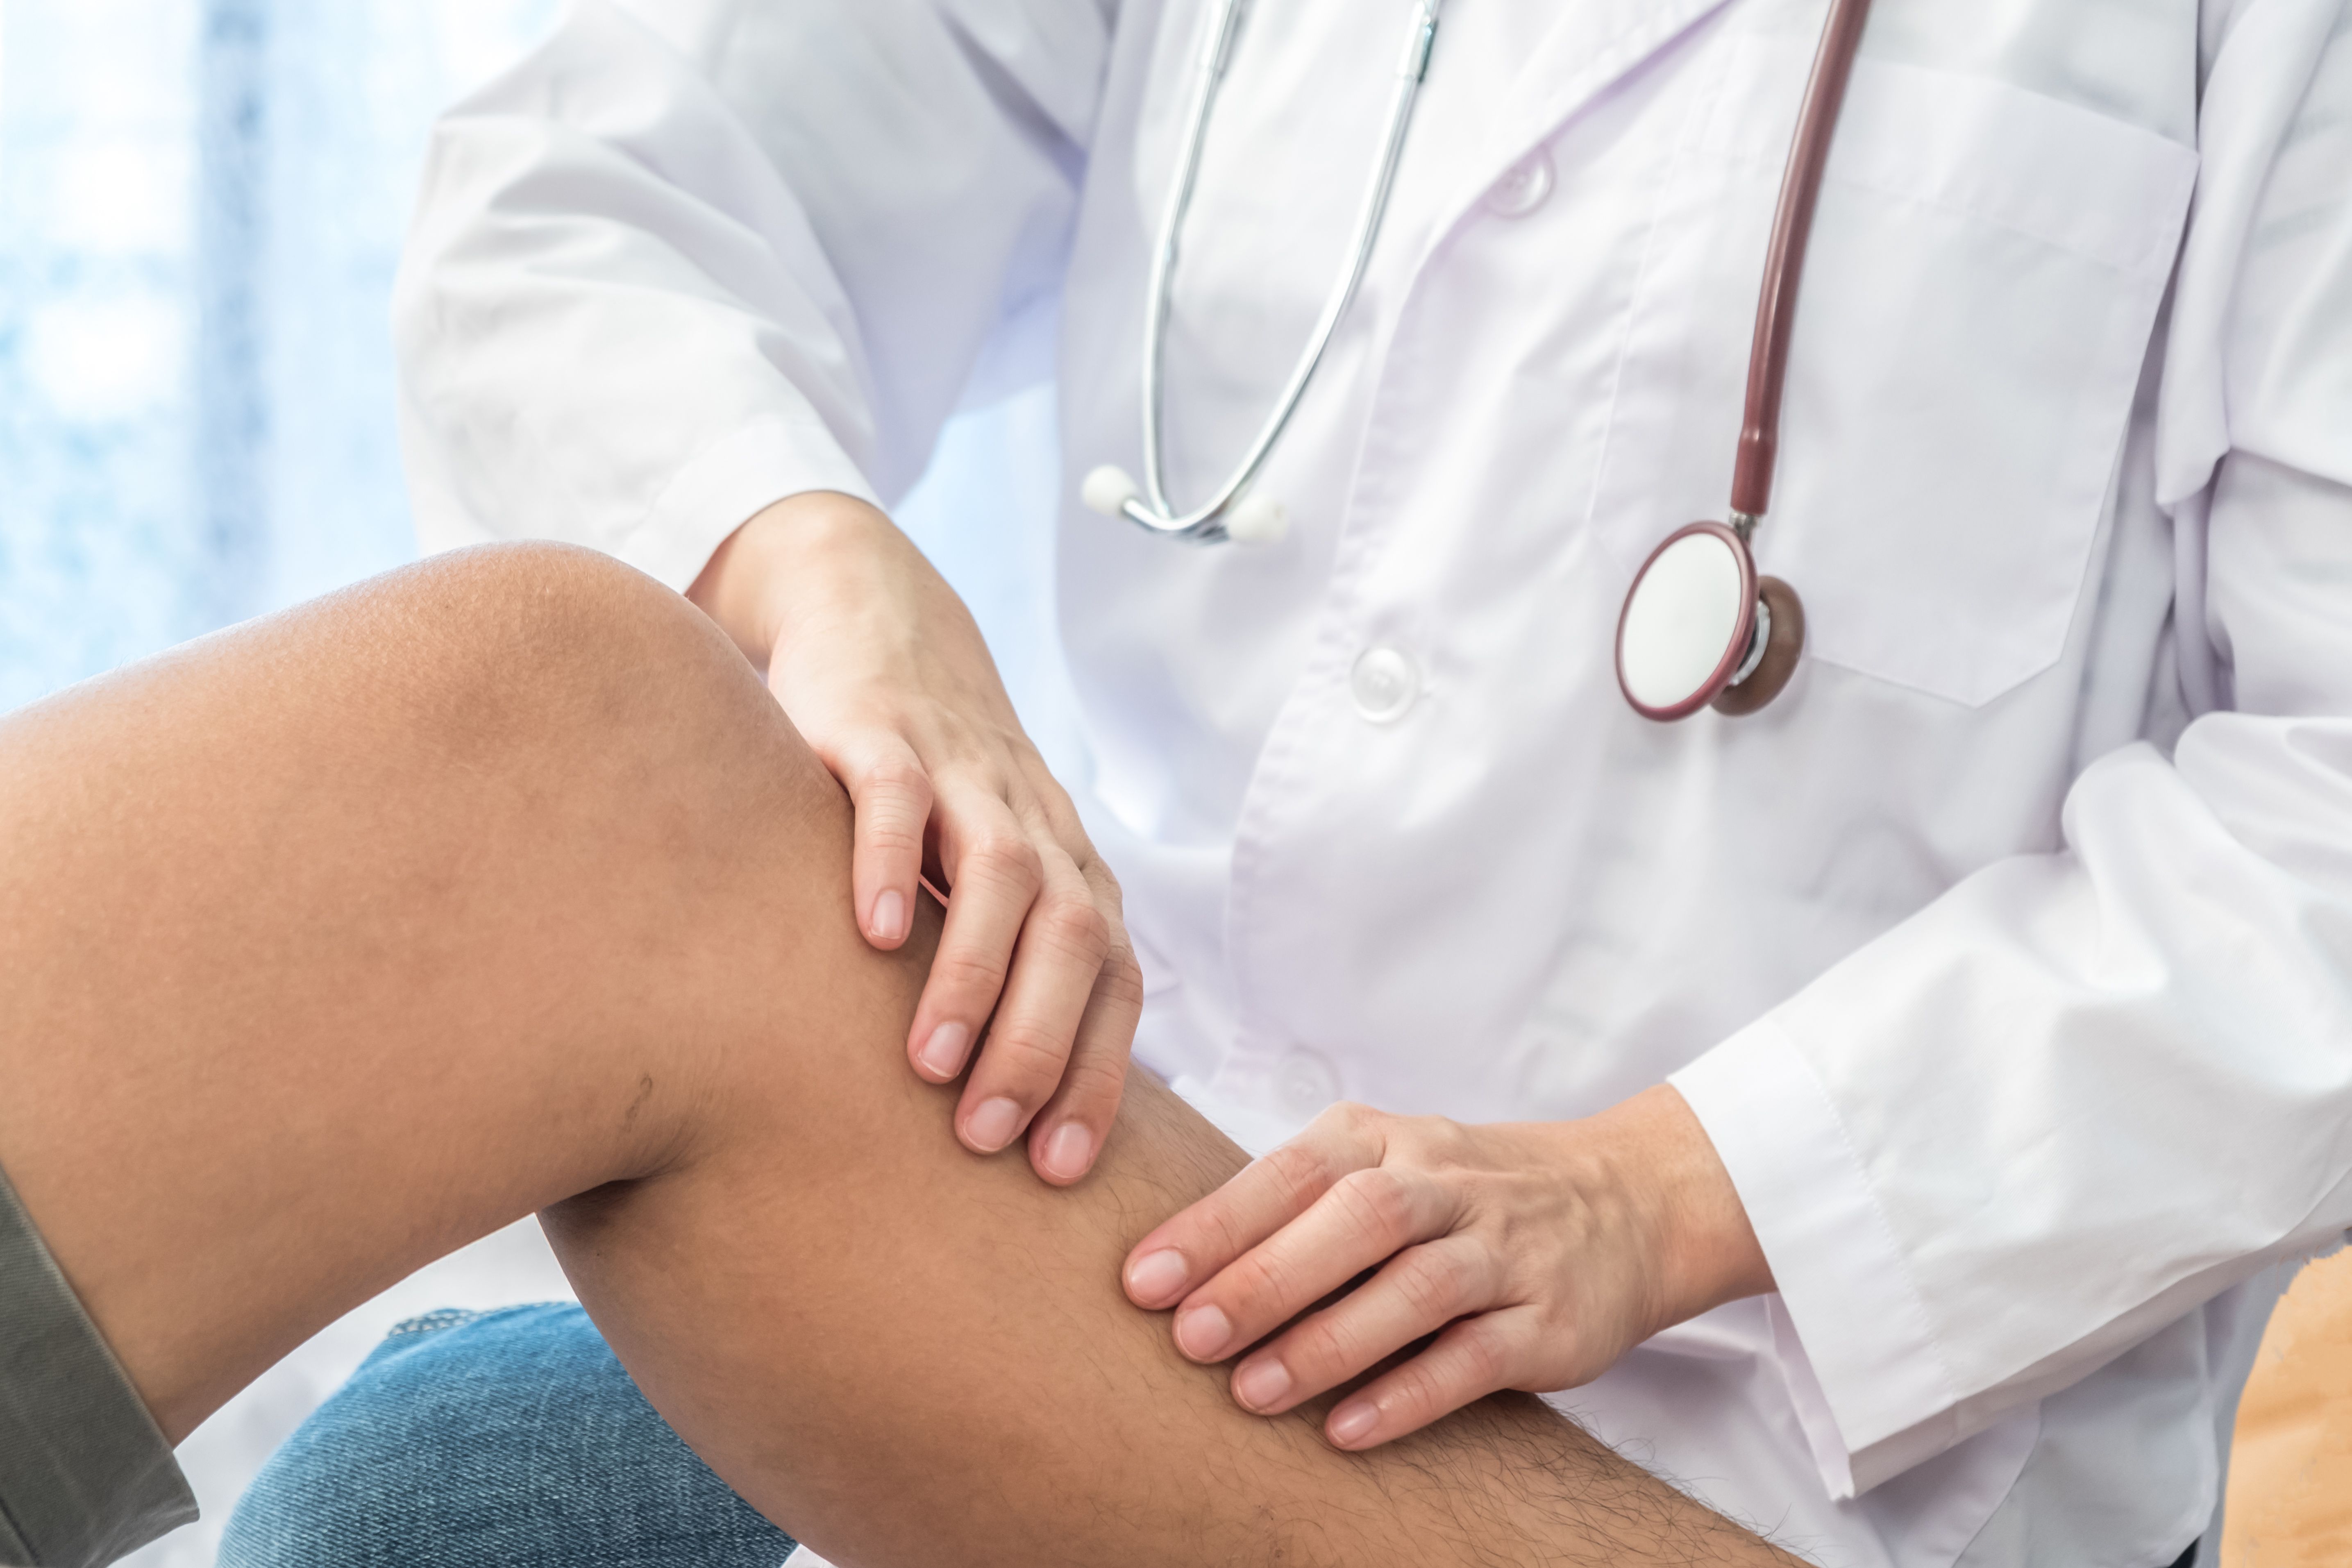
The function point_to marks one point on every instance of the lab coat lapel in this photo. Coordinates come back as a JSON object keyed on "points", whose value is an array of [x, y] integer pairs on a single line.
{"points": [[1592, 46]]}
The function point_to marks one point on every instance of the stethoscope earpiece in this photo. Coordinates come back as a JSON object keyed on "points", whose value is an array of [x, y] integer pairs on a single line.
{"points": [[1257, 520], [1108, 489], [1253, 519]]}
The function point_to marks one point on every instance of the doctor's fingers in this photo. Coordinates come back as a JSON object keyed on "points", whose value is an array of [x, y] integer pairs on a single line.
{"points": [[1270, 1193], [992, 875], [1025, 937], [1066, 1136], [892, 797], [1474, 1357], [1365, 1218], [1418, 1291]]}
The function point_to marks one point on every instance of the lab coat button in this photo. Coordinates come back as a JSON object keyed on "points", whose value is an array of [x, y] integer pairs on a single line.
{"points": [[1305, 1083], [1384, 683], [1523, 187]]}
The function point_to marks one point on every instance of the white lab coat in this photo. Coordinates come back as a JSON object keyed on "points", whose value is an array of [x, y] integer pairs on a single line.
{"points": [[2006, 958]]}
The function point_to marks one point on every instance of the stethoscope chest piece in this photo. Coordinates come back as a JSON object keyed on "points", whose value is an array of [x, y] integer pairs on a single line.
{"points": [[1700, 628]]}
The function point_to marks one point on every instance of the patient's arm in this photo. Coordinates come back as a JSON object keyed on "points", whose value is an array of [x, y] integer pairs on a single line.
{"points": [[336, 941]]}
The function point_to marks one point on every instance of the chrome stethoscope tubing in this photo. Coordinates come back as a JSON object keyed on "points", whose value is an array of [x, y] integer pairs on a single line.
{"points": [[1233, 512]]}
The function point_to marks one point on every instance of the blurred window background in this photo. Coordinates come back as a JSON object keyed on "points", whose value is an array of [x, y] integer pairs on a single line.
{"points": [[201, 209], [202, 204]]}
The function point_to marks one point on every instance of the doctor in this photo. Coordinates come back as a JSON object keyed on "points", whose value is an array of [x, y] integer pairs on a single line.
{"points": [[1882, 1106]]}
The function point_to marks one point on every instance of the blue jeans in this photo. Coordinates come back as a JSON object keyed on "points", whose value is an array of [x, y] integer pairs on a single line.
{"points": [[505, 1439]]}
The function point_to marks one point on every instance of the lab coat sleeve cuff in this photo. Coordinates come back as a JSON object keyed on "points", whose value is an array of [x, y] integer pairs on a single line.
{"points": [[1869, 1349], [727, 483]]}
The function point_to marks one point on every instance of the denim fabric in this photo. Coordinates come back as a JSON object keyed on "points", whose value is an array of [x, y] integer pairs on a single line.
{"points": [[505, 1439]]}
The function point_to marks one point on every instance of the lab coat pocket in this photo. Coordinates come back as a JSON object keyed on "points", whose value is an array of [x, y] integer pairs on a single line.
{"points": [[1984, 280]]}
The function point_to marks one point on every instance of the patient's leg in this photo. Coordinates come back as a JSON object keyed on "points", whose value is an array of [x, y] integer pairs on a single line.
{"points": [[500, 885]]}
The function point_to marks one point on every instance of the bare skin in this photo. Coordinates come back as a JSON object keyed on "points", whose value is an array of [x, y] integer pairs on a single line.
{"points": [[1528, 1255], [501, 885], [882, 668], [1521, 1254]]}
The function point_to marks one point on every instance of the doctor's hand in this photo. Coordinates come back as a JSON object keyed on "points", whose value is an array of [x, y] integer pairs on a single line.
{"points": [[1534, 1253], [880, 667]]}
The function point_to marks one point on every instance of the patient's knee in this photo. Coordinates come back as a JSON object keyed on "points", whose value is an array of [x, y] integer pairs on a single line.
{"points": [[540, 635], [562, 660], [493, 1439]]}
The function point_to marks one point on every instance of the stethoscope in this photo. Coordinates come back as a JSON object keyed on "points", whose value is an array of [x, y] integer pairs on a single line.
{"points": [[1701, 627]]}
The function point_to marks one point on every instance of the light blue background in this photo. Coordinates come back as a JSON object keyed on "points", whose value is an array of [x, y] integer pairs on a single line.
{"points": [[201, 208]]}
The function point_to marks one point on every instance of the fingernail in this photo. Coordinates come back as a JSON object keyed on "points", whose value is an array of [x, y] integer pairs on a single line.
{"points": [[1353, 1422], [890, 918], [1261, 1383], [991, 1126], [1067, 1151], [1154, 1278], [942, 1054], [1201, 1332]]}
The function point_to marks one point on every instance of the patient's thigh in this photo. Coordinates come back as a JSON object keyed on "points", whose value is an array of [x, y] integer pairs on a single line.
{"points": [[334, 941]]}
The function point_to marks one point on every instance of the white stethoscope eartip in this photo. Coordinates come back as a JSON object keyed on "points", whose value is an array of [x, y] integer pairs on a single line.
{"points": [[1253, 520], [1108, 489], [1257, 520]]}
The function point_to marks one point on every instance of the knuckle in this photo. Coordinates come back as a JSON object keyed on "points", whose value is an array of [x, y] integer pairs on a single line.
{"points": [[1094, 1078], [1225, 1231], [1299, 1171], [1414, 1139], [1421, 1392], [1104, 887], [1331, 1346], [1121, 984], [896, 773], [1050, 804], [1099, 875], [1446, 1141], [1008, 856], [1483, 1272], [1340, 1115], [1434, 1285], [986, 779], [1070, 923], [1070, 833], [1351, 1120], [1262, 1285], [1021, 1057], [1379, 1202], [1484, 1359], [969, 972], [890, 833]]}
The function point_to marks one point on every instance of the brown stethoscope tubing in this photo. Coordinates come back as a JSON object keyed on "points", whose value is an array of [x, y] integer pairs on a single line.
{"points": [[1784, 263], [1747, 677]]}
